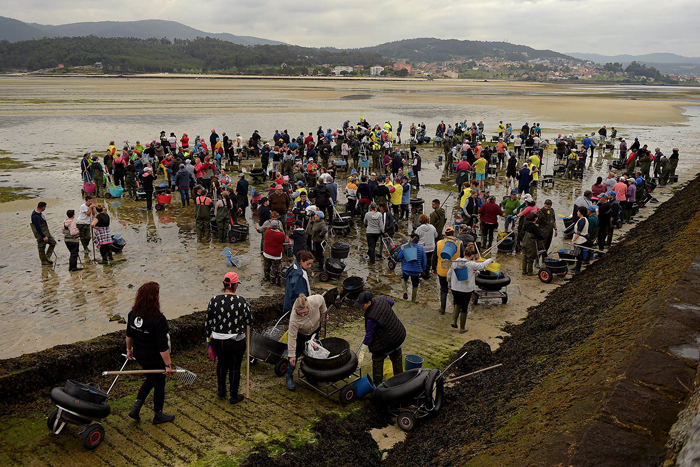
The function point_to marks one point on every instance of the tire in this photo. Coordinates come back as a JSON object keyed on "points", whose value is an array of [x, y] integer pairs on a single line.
{"points": [[281, 367], [406, 421], [545, 275], [82, 408], [92, 436], [51, 421], [475, 299], [107, 195], [392, 264], [330, 375], [323, 277], [504, 300], [348, 394]]}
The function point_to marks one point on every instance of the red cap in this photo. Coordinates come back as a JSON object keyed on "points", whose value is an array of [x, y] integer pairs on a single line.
{"points": [[213, 130], [278, 187], [231, 278]]}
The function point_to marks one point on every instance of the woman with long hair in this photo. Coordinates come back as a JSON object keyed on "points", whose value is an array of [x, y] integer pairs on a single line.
{"points": [[228, 315], [148, 341]]}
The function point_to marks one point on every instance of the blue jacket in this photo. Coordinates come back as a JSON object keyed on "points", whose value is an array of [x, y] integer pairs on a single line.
{"points": [[406, 196], [587, 143], [294, 285], [413, 268]]}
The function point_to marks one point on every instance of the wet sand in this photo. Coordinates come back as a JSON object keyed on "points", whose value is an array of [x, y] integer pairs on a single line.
{"points": [[42, 307]]}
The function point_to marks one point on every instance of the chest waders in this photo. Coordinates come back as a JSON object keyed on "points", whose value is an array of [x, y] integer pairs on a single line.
{"points": [[202, 217]]}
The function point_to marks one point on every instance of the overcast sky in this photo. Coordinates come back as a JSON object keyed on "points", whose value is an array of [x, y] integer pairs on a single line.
{"points": [[609, 27]]}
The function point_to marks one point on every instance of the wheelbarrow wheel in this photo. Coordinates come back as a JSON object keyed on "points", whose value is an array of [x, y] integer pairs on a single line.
{"points": [[51, 421], [504, 300], [107, 195], [406, 421], [281, 367], [545, 275], [348, 394], [392, 264], [323, 277], [475, 299], [92, 436], [159, 207]]}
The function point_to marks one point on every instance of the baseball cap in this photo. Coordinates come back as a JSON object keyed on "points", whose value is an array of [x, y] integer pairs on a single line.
{"points": [[278, 187], [320, 214], [298, 223], [363, 298], [592, 207], [449, 230], [231, 278], [513, 192]]}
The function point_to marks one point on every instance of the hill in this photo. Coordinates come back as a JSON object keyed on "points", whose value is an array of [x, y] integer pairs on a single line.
{"points": [[202, 55], [14, 30], [432, 50]]}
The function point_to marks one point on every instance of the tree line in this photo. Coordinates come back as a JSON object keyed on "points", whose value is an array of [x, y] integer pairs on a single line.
{"points": [[201, 55]]}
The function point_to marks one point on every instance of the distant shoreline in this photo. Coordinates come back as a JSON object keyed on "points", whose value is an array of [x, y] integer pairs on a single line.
{"points": [[327, 78]]}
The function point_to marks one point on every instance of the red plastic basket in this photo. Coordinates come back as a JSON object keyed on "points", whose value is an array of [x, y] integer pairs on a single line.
{"points": [[164, 199]]}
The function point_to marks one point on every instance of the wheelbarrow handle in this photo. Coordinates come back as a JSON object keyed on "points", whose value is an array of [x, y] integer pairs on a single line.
{"points": [[456, 360]]}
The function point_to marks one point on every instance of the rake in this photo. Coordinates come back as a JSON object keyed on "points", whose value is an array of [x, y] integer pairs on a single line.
{"points": [[179, 374]]}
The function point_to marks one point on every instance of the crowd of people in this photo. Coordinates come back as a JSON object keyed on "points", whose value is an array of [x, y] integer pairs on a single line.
{"points": [[363, 172]]}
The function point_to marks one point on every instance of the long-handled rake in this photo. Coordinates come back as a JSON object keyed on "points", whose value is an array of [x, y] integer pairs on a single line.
{"points": [[179, 374]]}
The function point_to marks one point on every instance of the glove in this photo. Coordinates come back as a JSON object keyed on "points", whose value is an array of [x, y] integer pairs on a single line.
{"points": [[361, 354]]}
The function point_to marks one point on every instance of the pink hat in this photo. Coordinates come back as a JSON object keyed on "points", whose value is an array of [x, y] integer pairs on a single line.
{"points": [[231, 278], [278, 187]]}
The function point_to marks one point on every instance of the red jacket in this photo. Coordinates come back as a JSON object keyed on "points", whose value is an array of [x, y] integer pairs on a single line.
{"points": [[274, 242], [489, 213]]}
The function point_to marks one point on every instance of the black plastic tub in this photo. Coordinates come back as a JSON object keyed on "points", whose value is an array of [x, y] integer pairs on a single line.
{"points": [[352, 286], [417, 204], [340, 354], [85, 392], [340, 250], [334, 266], [557, 266], [240, 232]]}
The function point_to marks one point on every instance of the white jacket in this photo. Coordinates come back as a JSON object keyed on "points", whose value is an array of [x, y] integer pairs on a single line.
{"points": [[473, 267]]}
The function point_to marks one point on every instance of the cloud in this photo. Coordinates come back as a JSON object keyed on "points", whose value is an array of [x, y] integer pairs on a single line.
{"points": [[623, 26]]}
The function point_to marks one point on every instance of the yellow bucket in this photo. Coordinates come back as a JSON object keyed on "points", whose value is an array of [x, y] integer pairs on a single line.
{"points": [[493, 267]]}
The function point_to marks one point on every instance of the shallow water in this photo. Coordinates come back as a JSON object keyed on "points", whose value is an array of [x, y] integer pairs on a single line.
{"points": [[50, 122]]}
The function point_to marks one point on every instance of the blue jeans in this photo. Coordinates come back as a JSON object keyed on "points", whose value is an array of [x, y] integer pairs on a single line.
{"points": [[185, 195], [87, 177], [510, 221]]}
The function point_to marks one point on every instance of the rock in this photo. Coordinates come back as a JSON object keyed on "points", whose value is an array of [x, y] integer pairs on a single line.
{"points": [[118, 318]]}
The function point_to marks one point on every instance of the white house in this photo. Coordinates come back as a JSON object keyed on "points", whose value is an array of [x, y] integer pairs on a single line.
{"points": [[376, 70], [339, 69]]}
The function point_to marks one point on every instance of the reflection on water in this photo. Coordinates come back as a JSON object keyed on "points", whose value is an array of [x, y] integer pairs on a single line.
{"points": [[41, 307]]}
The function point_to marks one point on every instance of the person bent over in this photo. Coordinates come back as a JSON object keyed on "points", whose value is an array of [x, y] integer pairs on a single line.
{"points": [[384, 335]]}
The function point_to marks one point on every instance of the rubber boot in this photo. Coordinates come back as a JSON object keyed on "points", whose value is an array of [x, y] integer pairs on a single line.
{"points": [[414, 295], [404, 287], [160, 417], [290, 377], [462, 323], [529, 267], [443, 302], [136, 410], [455, 315], [45, 261], [73, 264]]}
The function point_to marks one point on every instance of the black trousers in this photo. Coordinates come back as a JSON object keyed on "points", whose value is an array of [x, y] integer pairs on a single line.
{"points": [[155, 382], [74, 249], [229, 357], [372, 239], [149, 200]]}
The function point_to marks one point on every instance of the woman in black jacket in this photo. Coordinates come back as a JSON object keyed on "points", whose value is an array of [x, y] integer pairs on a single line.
{"points": [[227, 317], [147, 184], [148, 341]]}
